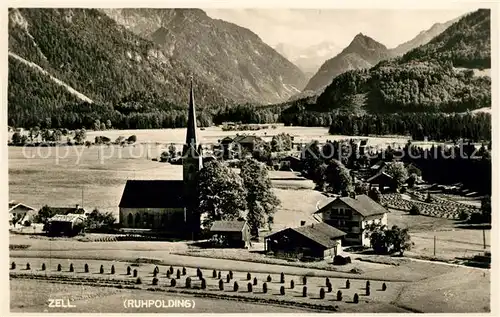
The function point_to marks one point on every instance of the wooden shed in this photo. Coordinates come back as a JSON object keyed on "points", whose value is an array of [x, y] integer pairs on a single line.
{"points": [[233, 234]]}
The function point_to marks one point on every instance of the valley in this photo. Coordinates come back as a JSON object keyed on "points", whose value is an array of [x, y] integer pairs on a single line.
{"points": [[155, 152]]}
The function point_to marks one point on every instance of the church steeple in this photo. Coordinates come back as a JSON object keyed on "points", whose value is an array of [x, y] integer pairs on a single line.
{"points": [[191, 164], [192, 160], [191, 138]]}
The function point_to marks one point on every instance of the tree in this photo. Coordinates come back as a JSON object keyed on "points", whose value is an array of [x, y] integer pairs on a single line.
{"points": [[16, 138], [400, 239], [34, 132], [281, 142], [172, 150], [46, 135], [221, 193], [57, 135], [132, 139], [486, 208], [412, 179], [44, 214], [99, 220], [312, 156], [97, 125], [398, 172], [260, 199], [108, 124], [388, 241], [80, 135], [338, 178]]}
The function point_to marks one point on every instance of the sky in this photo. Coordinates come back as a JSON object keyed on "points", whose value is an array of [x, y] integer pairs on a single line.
{"points": [[307, 27]]}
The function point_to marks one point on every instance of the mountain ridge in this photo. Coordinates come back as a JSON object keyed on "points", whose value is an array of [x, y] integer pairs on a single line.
{"points": [[362, 52], [423, 37], [233, 58]]}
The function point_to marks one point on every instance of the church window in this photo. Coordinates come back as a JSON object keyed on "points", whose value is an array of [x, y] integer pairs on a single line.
{"points": [[130, 220], [138, 223]]}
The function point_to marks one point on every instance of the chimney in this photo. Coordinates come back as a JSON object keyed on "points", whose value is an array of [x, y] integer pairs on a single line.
{"points": [[302, 223], [353, 195]]}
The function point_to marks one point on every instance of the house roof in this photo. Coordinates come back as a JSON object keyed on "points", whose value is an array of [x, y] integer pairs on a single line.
{"points": [[66, 218], [153, 194], [246, 138], [321, 233], [363, 204], [228, 226], [378, 165], [14, 205], [380, 176]]}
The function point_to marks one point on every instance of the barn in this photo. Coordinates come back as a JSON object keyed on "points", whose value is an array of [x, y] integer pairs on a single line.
{"points": [[234, 234], [316, 241], [65, 225]]}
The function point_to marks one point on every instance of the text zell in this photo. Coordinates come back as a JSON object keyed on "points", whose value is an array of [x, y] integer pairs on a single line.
{"points": [[60, 303]]}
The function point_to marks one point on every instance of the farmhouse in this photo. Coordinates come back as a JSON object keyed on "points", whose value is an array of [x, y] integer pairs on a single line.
{"points": [[382, 180], [167, 206], [290, 163], [20, 213], [232, 147], [65, 225], [234, 234], [318, 240], [352, 215]]}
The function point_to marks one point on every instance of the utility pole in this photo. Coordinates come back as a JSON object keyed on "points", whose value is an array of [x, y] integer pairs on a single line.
{"points": [[484, 239], [434, 245], [82, 197]]}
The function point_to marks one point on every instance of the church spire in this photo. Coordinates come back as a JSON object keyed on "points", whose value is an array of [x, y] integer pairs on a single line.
{"points": [[191, 139]]}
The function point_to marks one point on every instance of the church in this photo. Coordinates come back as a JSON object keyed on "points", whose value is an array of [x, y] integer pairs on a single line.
{"points": [[167, 206]]}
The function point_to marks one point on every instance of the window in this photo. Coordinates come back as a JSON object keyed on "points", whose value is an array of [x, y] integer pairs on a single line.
{"points": [[130, 220], [137, 220], [335, 211]]}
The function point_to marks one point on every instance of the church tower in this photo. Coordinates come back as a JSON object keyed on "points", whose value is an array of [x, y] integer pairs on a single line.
{"points": [[191, 165]]}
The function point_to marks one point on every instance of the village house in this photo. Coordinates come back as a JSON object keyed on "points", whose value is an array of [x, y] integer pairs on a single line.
{"points": [[232, 147], [233, 234], [316, 241], [21, 214], [167, 206], [352, 215], [65, 225], [383, 181]]}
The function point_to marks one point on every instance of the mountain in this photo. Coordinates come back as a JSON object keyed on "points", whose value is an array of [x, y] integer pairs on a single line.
{"points": [[362, 52], [466, 43], [232, 58], [92, 54], [440, 76], [424, 79], [422, 38], [310, 58]]}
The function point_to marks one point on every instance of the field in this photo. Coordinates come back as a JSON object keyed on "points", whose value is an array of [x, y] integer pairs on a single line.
{"points": [[32, 296], [403, 281]]}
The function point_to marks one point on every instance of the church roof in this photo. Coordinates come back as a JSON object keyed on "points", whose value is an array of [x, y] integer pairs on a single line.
{"points": [[153, 194]]}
